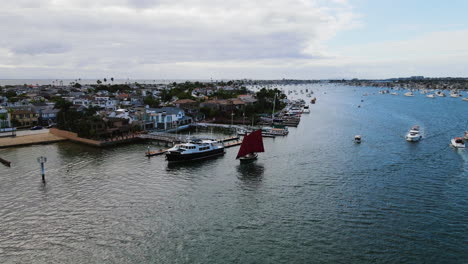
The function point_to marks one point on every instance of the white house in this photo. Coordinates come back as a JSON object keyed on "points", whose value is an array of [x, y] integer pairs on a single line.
{"points": [[104, 102], [165, 118], [81, 101]]}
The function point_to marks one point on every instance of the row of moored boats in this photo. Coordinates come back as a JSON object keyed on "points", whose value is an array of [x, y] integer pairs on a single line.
{"points": [[414, 135]]}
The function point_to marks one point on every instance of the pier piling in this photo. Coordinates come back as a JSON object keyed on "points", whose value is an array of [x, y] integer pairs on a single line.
{"points": [[42, 160]]}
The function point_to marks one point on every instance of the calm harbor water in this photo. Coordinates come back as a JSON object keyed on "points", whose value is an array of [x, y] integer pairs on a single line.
{"points": [[312, 197]]}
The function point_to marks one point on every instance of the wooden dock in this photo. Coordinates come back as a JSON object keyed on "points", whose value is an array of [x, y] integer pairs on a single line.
{"points": [[155, 152], [5, 162]]}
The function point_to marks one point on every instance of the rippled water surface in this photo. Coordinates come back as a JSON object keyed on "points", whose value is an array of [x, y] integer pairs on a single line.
{"points": [[313, 197]]}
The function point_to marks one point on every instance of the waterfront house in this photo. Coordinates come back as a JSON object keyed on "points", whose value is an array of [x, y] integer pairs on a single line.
{"points": [[47, 116], [224, 105], [24, 117], [165, 118], [247, 98], [188, 105], [5, 121]]}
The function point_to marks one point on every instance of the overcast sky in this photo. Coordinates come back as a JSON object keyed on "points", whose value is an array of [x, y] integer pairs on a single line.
{"points": [[261, 39]]}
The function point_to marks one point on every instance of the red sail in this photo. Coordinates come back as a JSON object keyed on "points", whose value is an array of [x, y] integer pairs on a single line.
{"points": [[252, 142]]}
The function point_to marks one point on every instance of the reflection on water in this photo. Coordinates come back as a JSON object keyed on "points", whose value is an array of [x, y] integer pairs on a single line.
{"points": [[192, 165], [250, 171]]}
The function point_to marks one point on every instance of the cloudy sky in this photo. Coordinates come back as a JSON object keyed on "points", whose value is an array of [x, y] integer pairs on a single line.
{"points": [[261, 39]]}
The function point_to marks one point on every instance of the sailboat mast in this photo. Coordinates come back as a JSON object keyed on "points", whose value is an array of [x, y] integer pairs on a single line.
{"points": [[273, 113]]}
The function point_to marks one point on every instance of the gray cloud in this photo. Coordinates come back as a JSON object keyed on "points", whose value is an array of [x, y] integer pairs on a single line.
{"points": [[34, 48], [109, 35]]}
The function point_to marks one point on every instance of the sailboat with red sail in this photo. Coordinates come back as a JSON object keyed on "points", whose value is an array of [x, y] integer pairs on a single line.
{"points": [[251, 145]]}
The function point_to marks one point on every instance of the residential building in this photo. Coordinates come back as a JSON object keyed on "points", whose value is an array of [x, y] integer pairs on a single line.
{"points": [[165, 118], [188, 105], [24, 118], [4, 118]]}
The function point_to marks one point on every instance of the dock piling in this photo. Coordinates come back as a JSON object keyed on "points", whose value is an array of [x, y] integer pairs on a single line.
{"points": [[42, 160]]}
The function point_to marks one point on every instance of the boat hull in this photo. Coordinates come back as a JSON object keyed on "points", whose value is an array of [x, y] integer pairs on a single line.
{"points": [[454, 144], [248, 159], [177, 157], [413, 139]]}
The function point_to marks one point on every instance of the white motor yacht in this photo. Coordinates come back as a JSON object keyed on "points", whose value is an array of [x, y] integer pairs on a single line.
{"points": [[457, 142], [194, 150], [413, 135], [409, 94]]}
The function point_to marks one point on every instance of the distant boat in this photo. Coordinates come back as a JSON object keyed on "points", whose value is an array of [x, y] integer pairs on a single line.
{"points": [[357, 139], [465, 99], [441, 94], [306, 109], [394, 93], [409, 94], [413, 135], [430, 96], [457, 142], [251, 145]]}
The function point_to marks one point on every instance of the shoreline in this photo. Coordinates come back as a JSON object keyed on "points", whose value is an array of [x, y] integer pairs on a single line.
{"points": [[27, 140]]}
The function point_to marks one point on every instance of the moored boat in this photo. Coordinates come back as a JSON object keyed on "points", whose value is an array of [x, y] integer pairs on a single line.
{"points": [[357, 139], [251, 145], [457, 142], [409, 94], [195, 149], [306, 109]]}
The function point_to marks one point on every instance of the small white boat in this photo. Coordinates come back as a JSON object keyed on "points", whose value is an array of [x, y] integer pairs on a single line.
{"points": [[409, 94], [466, 135], [457, 142], [430, 96], [394, 93], [357, 139], [306, 109], [441, 94], [413, 135], [465, 99]]}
